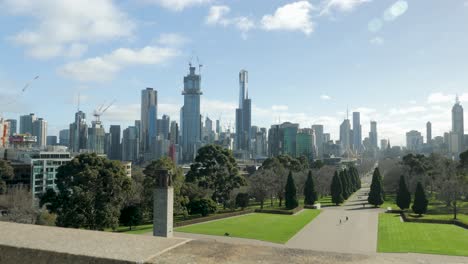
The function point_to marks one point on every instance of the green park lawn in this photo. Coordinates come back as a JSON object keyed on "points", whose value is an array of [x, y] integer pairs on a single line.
{"points": [[396, 236], [267, 227]]}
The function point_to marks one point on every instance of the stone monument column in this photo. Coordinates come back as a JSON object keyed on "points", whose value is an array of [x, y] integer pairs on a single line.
{"points": [[163, 206]]}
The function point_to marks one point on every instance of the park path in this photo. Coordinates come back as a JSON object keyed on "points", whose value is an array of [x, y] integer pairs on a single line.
{"points": [[356, 235]]}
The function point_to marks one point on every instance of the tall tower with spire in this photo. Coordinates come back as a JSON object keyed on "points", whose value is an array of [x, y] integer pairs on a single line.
{"points": [[243, 115], [458, 129]]}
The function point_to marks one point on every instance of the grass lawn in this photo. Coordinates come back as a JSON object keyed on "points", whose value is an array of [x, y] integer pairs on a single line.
{"points": [[267, 227], [396, 236]]}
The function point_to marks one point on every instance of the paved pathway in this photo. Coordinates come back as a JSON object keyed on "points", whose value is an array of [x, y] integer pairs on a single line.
{"points": [[356, 235]]}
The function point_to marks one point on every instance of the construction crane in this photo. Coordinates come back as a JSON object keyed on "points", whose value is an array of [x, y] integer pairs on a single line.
{"points": [[98, 112]]}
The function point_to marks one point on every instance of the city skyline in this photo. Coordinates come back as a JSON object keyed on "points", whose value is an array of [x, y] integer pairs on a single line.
{"points": [[407, 94]]}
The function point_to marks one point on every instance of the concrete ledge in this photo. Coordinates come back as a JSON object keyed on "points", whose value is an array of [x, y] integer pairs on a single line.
{"points": [[20, 243]]}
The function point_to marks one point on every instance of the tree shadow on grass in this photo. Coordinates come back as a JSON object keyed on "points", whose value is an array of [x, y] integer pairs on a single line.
{"points": [[363, 208]]}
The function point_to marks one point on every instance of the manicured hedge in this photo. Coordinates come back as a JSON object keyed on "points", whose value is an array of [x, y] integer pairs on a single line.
{"points": [[211, 217], [433, 221], [279, 211]]}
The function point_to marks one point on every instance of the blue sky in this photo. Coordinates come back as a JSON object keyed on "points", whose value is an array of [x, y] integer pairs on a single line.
{"points": [[398, 62]]}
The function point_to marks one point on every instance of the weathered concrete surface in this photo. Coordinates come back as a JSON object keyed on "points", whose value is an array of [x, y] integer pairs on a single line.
{"points": [[228, 240], [20, 243], [358, 234], [206, 252]]}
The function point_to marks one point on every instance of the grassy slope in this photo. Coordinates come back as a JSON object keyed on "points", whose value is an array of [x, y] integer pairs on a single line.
{"points": [[266, 227], [395, 236]]}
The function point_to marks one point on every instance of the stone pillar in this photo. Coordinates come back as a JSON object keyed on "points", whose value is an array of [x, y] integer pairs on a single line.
{"points": [[163, 206]]}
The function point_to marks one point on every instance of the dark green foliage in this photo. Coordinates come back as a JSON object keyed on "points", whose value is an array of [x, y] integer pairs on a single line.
{"points": [[375, 195], [215, 168], [310, 194], [6, 173], [202, 206], [131, 215], [290, 196], [403, 199], [317, 164], [91, 192], [420, 201], [344, 185], [149, 184], [242, 200], [336, 189]]}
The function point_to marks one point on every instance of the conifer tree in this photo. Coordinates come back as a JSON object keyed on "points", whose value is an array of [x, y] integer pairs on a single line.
{"points": [[375, 195], [403, 199], [310, 195], [290, 193], [336, 190], [420, 201]]}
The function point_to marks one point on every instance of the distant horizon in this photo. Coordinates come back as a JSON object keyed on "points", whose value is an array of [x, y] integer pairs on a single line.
{"points": [[394, 61]]}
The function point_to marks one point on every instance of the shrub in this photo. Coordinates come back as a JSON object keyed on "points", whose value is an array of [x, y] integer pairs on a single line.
{"points": [[202, 206], [242, 200]]}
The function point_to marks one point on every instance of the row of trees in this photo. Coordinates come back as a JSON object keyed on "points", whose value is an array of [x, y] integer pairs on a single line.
{"points": [[344, 183], [403, 198]]}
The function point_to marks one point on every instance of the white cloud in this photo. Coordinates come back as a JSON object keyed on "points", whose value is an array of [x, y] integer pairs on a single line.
{"points": [[375, 25], [341, 5], [377, 41], [178, 5], [64, 28], [172, 39], [325, 97], [396, 10], [291, 17], [104, 68], [279, 108], [435, 98], [218, 15]]}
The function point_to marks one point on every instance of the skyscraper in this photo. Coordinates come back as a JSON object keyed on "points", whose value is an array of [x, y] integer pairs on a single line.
{"points": [[275, 141], [373, 135], [319, 140], [39, 130], [458, 125], [163, 127], [51, 140], [64, 137], [78, 133], [115, 147], [345, 135], [148, 130], [13, 126], [130, 144], [26, 123], [243, 115], [190, 115], [96, 137], [414, 140], [357, 131], [428, 132], [289, 138]]}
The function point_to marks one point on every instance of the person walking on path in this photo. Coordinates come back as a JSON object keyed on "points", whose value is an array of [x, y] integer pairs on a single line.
{"points": [[347, 218]]}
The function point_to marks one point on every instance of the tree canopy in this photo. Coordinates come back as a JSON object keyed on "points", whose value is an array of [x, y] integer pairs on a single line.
{"points": [[6, 173], [310, 194], [336, 189], [403, 199], [376, 190], [291, 201], [420, 201], [91, 191]]}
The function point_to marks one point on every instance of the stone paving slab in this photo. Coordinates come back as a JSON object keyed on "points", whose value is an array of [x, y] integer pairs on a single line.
{"points": [[85, 243]]}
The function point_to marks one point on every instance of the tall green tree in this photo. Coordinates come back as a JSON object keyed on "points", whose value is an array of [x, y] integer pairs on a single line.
{"points": [[91, 192], [310, 194], [420, 201], [6, 173], [260, 185], [215, 168], [403, 199], [131, 215], [149, 184], [336, 189], [291, 201], [344, 185], [375, 194]]}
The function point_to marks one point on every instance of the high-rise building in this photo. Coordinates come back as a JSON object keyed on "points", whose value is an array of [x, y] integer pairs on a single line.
{"points": [[13, 126], [79, 133], [40, 132], [51, 140], [64, 137], [428, 132], [26, 123], [130, 144], [357, 131], [190, 115], [115, 147], [383, 144], [174, 133], [289, 138], [243, 115], [319, 140], [163, 127], [345, 135], [148, 130], [218, 126], [260, 143], [96, 137], [458, 125], [414, 140], [304, 143], [373, 135], [275, 141], [208, 133]]}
